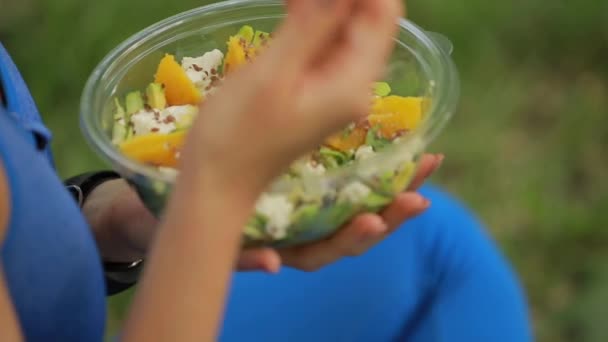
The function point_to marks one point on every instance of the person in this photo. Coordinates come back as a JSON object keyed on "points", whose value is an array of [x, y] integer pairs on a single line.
{"points": [[439, 279]]}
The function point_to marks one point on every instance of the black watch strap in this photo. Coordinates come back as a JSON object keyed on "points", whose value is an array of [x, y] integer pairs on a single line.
{"points": [[119, 276], [81, 186]]}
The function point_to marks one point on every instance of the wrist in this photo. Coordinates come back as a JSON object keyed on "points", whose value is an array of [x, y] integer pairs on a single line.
{"points": [[121, 225]]}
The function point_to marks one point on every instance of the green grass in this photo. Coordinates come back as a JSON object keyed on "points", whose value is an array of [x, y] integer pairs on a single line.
{"points": [[527, 149]]}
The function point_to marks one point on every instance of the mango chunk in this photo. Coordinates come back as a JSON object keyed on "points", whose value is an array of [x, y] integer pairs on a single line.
{"points": [[155, 149], [239, 51], [395, 115], [346, 142], [179, 89]]}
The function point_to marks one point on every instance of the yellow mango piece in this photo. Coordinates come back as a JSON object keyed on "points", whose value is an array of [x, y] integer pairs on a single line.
{"points": [[237, 54], [154, 149], [348, 142], [179, 89], [395, 114]]}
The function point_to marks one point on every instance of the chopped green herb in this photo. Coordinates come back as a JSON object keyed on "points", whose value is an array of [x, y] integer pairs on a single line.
{"points": [[374, 139], [334, 158]]}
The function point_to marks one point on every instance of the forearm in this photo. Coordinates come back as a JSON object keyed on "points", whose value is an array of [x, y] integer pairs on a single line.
{"points": [[182, 293]]}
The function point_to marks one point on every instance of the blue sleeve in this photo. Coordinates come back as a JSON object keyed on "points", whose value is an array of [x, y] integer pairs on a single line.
{"points": [[437, 278], [20, 103]]}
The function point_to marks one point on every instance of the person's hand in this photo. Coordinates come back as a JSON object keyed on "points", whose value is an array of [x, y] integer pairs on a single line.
{"points": [[310, 82], [355, 238], [124, 227]]}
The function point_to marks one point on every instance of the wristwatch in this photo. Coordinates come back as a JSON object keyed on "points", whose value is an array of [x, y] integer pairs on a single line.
{"points": [[119, 276]]}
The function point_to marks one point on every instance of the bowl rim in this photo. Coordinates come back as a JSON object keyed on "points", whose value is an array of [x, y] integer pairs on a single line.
{"points": [[445, 103]]}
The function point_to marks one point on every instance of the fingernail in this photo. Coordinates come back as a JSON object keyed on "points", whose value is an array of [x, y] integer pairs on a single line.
{"points": [[425, 203], [439, 160]]}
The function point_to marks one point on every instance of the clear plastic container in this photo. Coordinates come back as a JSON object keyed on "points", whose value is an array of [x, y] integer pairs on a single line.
{"points": [[419, 66]]}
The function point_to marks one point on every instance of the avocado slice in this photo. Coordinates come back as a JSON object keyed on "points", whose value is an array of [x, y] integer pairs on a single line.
{"points": [[260, 39], [156, 96], [375, 201], [134, 103], [382, 89], [185, 120], [119, 129], [247, 33]]}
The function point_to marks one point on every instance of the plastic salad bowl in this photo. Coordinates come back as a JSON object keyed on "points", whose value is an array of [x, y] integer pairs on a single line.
{"points": [[299, 207]]}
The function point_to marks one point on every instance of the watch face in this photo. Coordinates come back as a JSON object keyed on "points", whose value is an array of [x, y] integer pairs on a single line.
{"points": [[77, 194]]}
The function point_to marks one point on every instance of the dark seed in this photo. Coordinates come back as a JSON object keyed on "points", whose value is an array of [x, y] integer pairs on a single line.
{"points": [[196, 67]]}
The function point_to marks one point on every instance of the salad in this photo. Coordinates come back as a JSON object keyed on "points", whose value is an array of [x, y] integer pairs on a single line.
{"points": [[150, 125]]}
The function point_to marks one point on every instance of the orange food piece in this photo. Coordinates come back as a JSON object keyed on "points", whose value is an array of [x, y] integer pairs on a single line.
{"points": [[347, 142], [395, 115], [179, 89], [237, 54], [155, 149]]}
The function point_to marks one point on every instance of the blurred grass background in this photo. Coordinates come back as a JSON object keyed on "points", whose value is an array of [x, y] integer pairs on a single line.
{"points": [[528, 148]]}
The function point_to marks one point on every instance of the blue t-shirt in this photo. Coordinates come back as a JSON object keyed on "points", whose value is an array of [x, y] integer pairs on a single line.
{"points": [[49, 257]]}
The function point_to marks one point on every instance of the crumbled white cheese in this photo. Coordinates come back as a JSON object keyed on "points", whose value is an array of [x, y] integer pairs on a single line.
{"points": [[182, 114], [364, 152], [202, 70], [354, 192], [312, 169], [168, 171], [277, 209], [152, 121]]}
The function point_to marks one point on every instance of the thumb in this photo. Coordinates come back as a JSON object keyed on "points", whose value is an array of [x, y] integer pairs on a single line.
{"points": [[309, 27]]}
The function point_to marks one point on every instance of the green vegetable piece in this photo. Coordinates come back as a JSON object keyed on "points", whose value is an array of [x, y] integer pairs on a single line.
{"points": [[185, 121], [119, 129], [135, 102], [374, 140], [247, 33], [256, 227], [340, 213], [332, 158], [156, 96], [382, 89], [403, 177], [305, 213], [386, 181], [260, 39], [375, 201]]}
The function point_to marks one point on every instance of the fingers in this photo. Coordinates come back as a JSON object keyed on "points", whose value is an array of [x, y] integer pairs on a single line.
{"points": [[405, 206], [429, 163], [371, 38], [309, 27], [352, 64], [262, 259], [312, 257], [364, 232]]}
